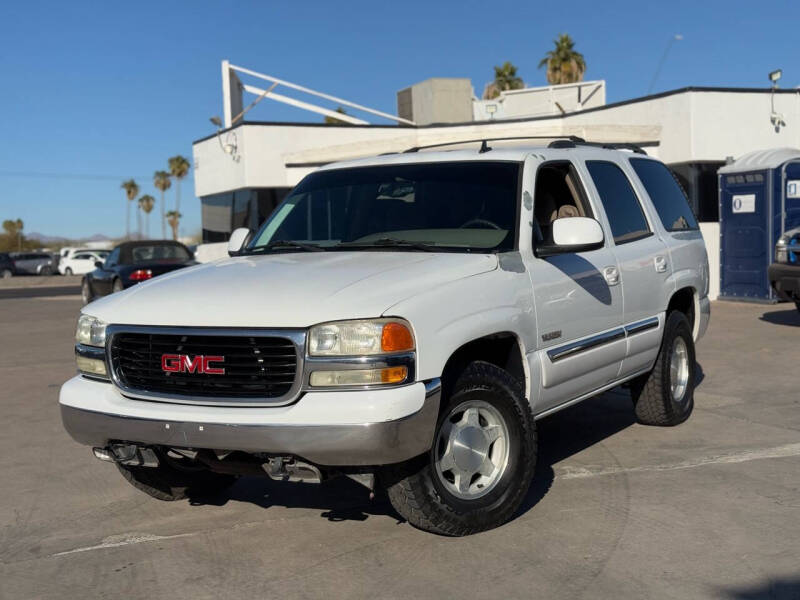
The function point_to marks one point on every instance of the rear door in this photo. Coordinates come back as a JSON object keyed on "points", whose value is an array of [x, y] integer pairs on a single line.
{"points": [[643, 260], [577, 296]]}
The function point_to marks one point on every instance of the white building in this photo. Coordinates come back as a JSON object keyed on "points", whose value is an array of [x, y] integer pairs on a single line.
{"points": [[244, 170]]}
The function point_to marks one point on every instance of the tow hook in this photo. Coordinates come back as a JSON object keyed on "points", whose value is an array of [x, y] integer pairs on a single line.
{"points": [[284, 468], [127, 454]]}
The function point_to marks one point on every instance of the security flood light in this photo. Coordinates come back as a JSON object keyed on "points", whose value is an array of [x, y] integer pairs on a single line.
{"points": [[216, 121], [774, 76]]}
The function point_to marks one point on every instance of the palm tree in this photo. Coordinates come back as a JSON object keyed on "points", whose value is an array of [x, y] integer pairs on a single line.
{"points": [[131, 191], [174, 219], [162, 182], [146, 203], [564, 64], [178, 168], [505, 78], [14, 230]]}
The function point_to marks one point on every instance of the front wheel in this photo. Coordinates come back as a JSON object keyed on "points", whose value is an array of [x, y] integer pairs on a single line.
{"points": [[665, 396], [482, 461], [6, 274], [67, 271]]}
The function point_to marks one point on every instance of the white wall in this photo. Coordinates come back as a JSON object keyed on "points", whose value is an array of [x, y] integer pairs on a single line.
{"points": [[710, 233]]}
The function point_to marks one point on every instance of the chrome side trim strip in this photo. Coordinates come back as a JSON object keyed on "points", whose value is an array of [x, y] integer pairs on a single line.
{"points": [[639, 326], [573, 348]]}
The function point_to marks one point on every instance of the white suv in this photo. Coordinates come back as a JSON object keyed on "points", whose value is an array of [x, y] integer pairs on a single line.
{"points": [[404, 320]]}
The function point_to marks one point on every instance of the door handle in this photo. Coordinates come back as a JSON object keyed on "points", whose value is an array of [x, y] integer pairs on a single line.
{"points": [[612, 275], [660, 263]]}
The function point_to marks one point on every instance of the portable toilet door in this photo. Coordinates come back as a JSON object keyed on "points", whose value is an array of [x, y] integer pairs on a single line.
{"points": [[754, 210]]}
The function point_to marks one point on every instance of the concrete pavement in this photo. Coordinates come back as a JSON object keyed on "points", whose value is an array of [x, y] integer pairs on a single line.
{"points": [[709, 509]]}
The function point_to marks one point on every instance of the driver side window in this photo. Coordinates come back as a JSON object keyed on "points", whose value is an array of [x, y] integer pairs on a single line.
{"points": [[559, 193], [112, 259]]}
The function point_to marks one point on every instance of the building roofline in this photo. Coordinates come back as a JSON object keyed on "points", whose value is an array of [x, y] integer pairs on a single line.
{"points": [[674, 92]]}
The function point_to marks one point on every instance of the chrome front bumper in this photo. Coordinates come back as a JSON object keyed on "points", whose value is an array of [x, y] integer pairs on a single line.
{"points": [[354, 444]]}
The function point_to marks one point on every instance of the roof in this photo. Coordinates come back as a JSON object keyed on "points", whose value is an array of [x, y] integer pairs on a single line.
{"points": [[761, 160], [683, 90]]}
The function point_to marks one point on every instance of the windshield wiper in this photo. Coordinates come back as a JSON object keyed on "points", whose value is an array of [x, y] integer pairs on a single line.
{"points": [[285, 244], [387, 242]]}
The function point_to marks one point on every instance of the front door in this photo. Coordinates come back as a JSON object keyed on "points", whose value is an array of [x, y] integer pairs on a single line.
{"points": [[577, 295]]}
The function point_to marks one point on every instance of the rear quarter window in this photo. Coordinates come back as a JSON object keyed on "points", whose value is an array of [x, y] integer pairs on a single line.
{"points": [[667, 195]]}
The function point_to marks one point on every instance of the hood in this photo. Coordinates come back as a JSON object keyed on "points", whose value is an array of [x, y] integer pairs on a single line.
{"points": [[286, 290]]}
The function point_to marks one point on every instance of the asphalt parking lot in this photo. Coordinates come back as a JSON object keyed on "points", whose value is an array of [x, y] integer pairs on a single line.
{"points": [[710, 509]]}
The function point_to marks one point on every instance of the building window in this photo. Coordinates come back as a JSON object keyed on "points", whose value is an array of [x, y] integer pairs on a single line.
{"points": [[250, 207], [699, 181]]}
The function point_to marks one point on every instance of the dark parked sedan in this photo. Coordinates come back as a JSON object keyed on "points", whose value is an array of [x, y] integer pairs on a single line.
{"points": [[6, 266], [133, 262]]}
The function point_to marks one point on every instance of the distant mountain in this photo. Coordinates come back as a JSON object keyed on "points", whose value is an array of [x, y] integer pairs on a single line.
{"points": [[51, 239]]}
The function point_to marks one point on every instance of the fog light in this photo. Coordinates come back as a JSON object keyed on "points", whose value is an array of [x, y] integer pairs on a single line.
{"points": [[359, 377], [91, 366]]}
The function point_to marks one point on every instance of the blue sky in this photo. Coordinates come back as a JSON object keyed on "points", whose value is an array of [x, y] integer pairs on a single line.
{"points": [[97, 91]]}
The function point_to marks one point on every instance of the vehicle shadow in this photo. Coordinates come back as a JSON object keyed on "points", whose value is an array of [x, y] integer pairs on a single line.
{"points": [[782, 317], [560, 436], [573, 430], [775, 589]]}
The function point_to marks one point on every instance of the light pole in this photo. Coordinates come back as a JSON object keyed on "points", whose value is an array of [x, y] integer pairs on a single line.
{"points": [[675, 38]]}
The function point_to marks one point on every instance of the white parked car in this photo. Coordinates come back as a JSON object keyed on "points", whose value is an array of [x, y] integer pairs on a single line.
{"points": [[80, 262], [404, 321]]}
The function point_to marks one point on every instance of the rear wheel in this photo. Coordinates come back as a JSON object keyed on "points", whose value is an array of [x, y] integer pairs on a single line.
{"points": [[665, 396], [86, 291], [117, 287], [46, 271], [175, 479], [482, 461]]}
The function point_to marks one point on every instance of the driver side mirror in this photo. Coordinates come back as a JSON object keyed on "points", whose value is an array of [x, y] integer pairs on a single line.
{"points": [[238, 239], [99, 264], [573, 234]]}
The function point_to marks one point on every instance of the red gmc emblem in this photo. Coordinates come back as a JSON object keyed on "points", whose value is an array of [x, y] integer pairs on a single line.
{"points": [[183, 363]]}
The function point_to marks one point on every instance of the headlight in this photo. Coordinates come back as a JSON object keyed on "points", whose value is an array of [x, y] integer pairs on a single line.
{"points": [[360, 338], [91, 331]]}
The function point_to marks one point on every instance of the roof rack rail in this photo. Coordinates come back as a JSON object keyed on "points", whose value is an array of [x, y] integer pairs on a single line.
{"points": [[485, 147], [606, 145]]}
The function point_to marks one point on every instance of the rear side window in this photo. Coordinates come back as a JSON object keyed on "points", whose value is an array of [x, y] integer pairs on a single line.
{"points": [[623, 210], [667, 196]]}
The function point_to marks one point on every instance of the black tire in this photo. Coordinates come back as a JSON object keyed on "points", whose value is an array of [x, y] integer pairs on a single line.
{"points": [[46, 271], [6, 274], [170, 481], [67, 271], [87, 295], [417, 493], [117, 286], [652, 395]]}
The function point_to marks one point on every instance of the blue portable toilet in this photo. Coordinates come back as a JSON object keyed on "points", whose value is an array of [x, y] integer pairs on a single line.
{"points": [[759, 199]]}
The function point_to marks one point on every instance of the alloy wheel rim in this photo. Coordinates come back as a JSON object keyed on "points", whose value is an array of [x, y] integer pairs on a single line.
{"points": [[679, 369], [472, 450]]}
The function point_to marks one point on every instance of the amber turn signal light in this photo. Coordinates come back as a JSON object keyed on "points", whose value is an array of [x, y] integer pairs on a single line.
{"points": [[396, 337]]}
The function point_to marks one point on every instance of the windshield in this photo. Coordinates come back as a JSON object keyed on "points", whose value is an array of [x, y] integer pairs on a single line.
{"points": [[456, 206]]}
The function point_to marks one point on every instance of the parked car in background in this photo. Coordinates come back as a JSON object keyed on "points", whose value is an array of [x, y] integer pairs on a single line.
{"points": [[784, 273], [133, 262], [68, 253], [81, 263], [33, 263], [6, 266]]}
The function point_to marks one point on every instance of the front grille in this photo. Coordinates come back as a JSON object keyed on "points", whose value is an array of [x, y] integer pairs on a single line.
{"points": [[255, 366]]}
